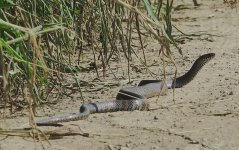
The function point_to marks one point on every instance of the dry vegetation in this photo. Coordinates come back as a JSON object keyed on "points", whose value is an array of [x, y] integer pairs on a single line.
{"points": [[44, 45], [42, 41]]}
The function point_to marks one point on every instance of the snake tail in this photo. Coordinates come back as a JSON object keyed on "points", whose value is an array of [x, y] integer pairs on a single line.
{"points": [[97, 107]]}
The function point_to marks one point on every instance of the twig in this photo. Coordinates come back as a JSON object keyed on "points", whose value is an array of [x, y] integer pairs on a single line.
{"points": [[36, 133]]}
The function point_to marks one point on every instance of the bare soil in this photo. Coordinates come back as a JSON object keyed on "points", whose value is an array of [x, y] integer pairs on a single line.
{"points": [[205, 114]]}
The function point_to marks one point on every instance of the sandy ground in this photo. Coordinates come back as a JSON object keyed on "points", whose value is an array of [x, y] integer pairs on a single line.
{"points": [[206, 113]]}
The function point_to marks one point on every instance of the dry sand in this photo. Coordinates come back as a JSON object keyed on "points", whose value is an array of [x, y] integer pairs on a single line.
{"points": [[206, 113]]}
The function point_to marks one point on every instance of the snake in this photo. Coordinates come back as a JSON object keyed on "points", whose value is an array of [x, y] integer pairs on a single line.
{"points": [[131, 98]]}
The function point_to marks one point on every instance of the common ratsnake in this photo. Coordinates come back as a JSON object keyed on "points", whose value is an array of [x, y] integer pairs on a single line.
{"points": [[132, 98]]}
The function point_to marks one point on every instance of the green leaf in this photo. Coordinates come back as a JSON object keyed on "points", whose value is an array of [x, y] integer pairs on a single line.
{"points": [[153, 16], [6, 3], [11, 51], [150, 12]]}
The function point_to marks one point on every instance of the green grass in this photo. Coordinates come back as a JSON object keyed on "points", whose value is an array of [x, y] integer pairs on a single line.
{"points": [[40, 38]]}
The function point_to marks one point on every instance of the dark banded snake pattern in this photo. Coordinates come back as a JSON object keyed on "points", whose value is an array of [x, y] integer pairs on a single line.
{"points": [[132, 98]]}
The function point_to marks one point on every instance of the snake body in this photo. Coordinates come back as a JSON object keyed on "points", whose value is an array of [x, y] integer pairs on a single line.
{"points": [[132, 98]]}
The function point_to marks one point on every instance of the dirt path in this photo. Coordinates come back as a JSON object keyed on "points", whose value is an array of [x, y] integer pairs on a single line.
{"points": [[206, 113]]}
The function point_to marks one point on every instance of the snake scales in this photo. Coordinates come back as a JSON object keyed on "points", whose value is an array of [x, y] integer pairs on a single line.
{"points": [[132, 98]]}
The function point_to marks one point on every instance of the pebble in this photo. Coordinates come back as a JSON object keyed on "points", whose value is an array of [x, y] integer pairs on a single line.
{"points": [[194, 142], [156, 118], [111, 115], [211, 16]]}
